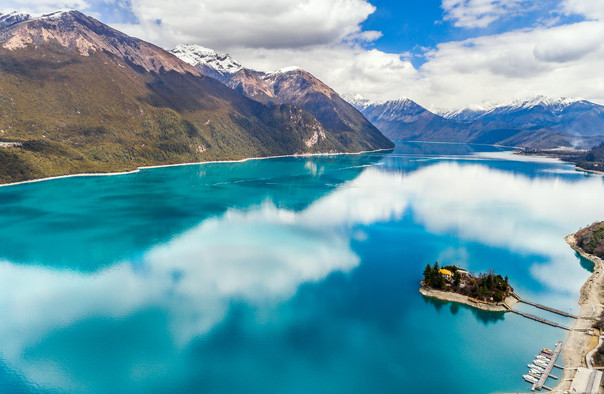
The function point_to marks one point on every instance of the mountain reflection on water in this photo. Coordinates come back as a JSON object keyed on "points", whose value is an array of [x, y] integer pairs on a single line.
{"points": [[216, 277]]}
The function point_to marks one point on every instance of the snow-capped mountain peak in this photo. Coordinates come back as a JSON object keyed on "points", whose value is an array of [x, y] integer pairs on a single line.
{"points": [[285, 70], [475, 111], [54, 15], [360, 102], [465, 113], [13, 17], [540, 100], [205, 58]]}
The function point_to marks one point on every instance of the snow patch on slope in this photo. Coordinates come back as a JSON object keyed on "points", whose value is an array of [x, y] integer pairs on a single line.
{"points": [[197, 56]]}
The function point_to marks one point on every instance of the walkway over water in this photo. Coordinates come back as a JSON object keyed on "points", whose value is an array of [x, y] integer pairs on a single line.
{"points": [[539, 319], [545, 308]]}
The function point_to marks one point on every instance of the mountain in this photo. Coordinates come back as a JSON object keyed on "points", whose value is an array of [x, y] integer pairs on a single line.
{"points": [[469, 113], [575, 117], [290, 85], [210, 63], [538, 123], [78, 96]]}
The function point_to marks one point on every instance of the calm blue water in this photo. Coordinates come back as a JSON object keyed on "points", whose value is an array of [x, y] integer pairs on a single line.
{"points": [[289, 275]]}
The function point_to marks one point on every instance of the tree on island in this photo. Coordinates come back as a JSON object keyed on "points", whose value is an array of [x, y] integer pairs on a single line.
{"points": [[432, 278]]}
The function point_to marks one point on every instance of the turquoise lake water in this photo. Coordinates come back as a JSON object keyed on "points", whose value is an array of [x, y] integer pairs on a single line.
{"points": [[286, 275]]}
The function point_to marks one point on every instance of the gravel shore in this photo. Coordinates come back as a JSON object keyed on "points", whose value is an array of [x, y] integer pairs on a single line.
{"points": [[579, 343], [462, 299]]}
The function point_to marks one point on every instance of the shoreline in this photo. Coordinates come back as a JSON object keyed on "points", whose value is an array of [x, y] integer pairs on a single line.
{"points": [[462, 299], [553, 155], [577, 168], [578, 345], [138, 169]]}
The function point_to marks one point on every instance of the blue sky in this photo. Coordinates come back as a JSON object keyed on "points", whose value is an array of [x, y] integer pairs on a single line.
{"points": [[413, 26], [441, 53]]}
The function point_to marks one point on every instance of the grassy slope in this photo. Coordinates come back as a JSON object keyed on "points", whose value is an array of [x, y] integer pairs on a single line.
{"points": [[99, 114]]}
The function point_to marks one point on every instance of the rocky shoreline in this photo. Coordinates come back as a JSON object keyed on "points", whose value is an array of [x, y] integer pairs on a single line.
{"points": [[462, 299], [579, 343]]}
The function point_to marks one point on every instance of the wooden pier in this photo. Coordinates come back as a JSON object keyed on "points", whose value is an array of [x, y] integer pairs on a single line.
{"points": [[539, 319], [545, 308], [541, 383]]}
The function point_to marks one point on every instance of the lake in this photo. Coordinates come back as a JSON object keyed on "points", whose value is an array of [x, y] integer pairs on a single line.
{"points": [[287, 275]]}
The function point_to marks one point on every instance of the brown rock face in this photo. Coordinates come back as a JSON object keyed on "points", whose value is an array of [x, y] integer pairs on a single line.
{"points": [[302, 89], [86, 35], [291, 86]]}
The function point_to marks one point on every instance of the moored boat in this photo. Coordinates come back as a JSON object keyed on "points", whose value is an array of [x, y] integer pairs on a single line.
{"points": [[536, 368], [530, 379], [540, 363]]}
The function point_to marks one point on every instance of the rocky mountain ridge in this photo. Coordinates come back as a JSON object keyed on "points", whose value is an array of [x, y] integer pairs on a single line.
{"points": [[289, 85]]}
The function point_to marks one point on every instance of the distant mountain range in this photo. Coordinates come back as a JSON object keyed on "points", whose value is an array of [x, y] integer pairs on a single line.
{"points": [[78, 96], [539, 122]]}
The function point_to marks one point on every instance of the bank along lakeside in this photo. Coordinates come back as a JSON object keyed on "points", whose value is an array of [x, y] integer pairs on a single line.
{"points": [[90, 174]]}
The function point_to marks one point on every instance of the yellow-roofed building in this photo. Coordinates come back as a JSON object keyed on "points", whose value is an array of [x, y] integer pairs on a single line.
{"points": [[445, 272]]}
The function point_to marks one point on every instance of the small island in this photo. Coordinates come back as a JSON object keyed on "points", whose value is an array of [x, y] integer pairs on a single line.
{"points": [[484, 291]]}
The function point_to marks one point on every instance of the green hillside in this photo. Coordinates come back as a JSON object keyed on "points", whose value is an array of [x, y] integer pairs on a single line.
{"points": [[99, 113]]}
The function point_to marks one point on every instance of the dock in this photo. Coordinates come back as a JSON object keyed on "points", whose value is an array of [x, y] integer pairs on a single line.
{"points": [[536, 318], [545, 308], [541, 383]]}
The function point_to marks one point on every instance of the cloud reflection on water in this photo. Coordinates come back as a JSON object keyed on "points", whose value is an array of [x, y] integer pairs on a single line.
{"points": [[262, 254]]}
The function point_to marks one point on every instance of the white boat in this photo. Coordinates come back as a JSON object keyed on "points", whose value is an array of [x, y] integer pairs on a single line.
{"points": [[540, 363], [533, 366], [530, 379], [542, 358], [534, 373]]}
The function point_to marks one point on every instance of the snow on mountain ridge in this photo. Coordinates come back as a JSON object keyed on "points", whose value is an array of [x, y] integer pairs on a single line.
{"points": [[15, 17], [531, 102], [526, 103], [360, 102], [12, 18], [285, 70], [197, 55], [53, 15]]}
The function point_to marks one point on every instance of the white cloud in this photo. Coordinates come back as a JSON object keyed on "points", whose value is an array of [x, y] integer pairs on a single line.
{"points": [[480, 13], [560, 61], [253, 24], [591, 9], [37, 7], [345, 68], [325, 38]]}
